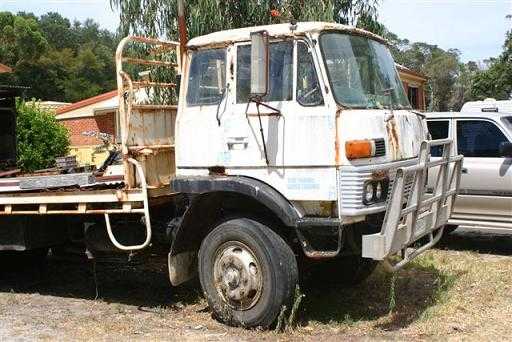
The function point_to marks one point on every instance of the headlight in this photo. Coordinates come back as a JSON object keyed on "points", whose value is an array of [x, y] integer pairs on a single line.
{"points": [[368, 192], [375, 191], [378, 191]]}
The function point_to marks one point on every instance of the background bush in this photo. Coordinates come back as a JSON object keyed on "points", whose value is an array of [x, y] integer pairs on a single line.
{"points": [[40, 138]]}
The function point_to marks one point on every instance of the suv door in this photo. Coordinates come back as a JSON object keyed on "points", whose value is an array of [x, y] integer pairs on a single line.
{"points": [[486, 183]]}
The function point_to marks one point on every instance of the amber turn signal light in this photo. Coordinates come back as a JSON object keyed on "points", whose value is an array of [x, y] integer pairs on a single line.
{"points": [[357, 149]]}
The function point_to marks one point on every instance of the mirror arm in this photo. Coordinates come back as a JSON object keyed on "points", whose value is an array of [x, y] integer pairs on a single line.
{"points": [[261, 132], [222, 96], [258, 102]]}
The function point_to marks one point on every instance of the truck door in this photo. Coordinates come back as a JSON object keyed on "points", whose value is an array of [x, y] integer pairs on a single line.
{"points": [[198, 133], [298, 131], [486, 183]]}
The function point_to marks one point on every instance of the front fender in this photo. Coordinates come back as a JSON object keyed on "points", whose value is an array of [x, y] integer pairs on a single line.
{"points": [[250, 187]]}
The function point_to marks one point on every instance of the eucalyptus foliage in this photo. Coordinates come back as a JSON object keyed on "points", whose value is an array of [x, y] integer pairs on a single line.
{"points": [[158, 18]]}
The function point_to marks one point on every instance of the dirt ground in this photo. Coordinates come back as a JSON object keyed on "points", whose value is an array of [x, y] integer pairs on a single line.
{"points": [[460, 291]]}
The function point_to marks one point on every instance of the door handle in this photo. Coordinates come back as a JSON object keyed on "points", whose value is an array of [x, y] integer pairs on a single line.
{"points": [[238, 143], [464, 170]]}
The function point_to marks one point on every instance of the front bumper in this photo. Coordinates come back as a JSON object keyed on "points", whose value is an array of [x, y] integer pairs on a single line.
{"points": [[413, 215]]}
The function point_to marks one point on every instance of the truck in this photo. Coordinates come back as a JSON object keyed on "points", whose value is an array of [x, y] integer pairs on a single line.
{"points": [[290, 144]]}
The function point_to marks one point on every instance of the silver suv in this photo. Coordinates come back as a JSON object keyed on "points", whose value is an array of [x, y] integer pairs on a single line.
{"points": [[485, 140]]}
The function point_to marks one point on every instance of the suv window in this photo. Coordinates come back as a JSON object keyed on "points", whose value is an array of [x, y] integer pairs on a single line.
{"points": [[281, 72], [478, 138], [308, 87], [207, 80], [438, 130]]}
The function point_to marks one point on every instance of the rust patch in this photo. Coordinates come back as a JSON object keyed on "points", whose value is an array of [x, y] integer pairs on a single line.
{"points": [[337, 157], [393, 138], [122, 196], [379, 175], [217, 171]]}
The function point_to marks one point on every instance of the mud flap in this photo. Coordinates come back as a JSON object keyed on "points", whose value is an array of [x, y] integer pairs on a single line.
{"points": [[410, 218]]}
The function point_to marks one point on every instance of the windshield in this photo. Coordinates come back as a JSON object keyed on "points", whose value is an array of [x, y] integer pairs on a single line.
{"points": [[362, 72]]}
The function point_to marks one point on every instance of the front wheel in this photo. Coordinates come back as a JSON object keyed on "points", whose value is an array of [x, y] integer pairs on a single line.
{"points": [[247, 272]]}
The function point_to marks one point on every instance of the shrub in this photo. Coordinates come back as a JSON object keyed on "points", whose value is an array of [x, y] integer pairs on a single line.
{"points": [[40, 138]]}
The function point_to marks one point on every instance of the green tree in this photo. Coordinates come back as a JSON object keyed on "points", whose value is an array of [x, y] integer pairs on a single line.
{"points": [[57, 31], [58, 60], [21, 40], [442, 70], [496, 81], [448, 77], [462, 88], [159, 17], [40, 138]]}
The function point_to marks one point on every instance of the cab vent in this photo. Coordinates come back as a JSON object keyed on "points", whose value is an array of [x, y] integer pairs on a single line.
{"points": [[380, 147]]}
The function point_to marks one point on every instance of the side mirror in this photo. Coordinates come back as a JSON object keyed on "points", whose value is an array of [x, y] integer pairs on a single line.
{"points": [[506, 149], [259, 63]]}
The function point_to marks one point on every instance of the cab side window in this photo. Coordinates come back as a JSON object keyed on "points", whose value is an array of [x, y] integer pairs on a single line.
{"points": [[207, 77], [438, 130], [281, 73], [479, 138], [308, 87]]}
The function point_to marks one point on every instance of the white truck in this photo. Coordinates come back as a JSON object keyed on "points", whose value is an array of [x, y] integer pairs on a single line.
{"points": [[289, 142]]}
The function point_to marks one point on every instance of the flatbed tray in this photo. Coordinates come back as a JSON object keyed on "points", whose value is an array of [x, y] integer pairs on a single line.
{"points": [[70, 182]]}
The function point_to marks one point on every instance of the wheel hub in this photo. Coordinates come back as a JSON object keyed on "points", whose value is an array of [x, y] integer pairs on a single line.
{"points": [[237, 275]]}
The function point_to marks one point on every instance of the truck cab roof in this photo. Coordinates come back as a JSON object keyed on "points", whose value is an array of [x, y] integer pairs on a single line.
{"points": [[225, 37]]}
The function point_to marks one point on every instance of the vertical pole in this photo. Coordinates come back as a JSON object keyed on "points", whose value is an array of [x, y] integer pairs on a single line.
{"points": [[182, 28]]}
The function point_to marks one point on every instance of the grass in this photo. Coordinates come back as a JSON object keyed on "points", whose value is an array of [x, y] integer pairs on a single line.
{"points": [[454, 292]]}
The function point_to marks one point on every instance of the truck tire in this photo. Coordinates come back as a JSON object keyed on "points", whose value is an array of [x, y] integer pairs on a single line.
{"points": [[247, 272]]}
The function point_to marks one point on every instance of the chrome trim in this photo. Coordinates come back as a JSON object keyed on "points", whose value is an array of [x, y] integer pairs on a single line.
{"points": [[351, 180]]}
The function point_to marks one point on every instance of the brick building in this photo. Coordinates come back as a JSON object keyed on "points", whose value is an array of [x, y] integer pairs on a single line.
{"points": [[95, 114]]}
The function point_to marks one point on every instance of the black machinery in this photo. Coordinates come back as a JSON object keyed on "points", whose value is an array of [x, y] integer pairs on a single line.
{"points": [[8, 96]]}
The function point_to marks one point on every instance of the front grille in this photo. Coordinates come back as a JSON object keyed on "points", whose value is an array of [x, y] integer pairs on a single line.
{"points": [[380, 147], [351, 182], [409, 183]]}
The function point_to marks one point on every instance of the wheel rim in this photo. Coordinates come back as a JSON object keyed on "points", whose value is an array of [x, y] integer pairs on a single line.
{"points": [[237, 275]]}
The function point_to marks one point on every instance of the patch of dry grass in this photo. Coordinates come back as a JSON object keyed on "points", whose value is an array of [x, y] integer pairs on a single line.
{"points": [[450, 293]]}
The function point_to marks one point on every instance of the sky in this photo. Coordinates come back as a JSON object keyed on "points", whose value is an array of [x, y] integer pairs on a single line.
{"points": [[475, 27]]}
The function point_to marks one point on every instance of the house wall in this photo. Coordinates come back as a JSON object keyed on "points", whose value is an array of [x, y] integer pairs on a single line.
{"points": [[413, 81], [89, 150], [102, 123]]}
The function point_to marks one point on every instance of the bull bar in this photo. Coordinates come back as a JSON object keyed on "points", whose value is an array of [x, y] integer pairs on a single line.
{"points": [[422, 214]]}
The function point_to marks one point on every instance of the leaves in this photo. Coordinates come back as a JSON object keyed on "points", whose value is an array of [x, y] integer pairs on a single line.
{"points": [[58, 60], [496, 81], [446, 90], [159, 18], [40, 138]]}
